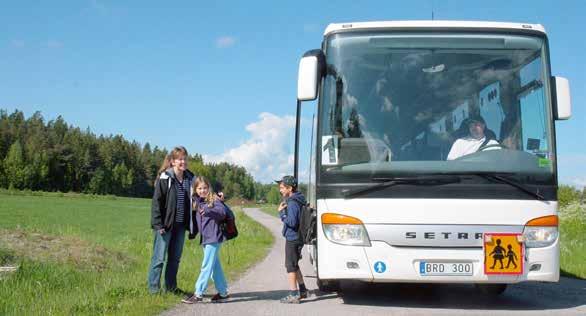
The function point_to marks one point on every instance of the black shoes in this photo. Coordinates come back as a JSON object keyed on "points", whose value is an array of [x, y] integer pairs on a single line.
{"points": [[219, 298], [177, 291], [303, 294]]}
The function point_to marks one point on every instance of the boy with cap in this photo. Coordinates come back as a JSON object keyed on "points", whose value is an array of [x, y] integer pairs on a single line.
{"points": [[290, 214]]}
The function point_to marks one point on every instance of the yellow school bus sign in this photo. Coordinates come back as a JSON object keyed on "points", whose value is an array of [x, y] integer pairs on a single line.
{"points": [[503, 254]]}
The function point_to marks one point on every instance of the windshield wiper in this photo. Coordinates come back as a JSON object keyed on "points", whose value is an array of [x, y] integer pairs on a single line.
{"points": [[392, 181], [501, 178]]}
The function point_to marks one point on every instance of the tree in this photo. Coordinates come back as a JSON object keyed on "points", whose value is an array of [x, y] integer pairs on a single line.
{"points": [[99, 182], [55, 156], [120, 183], [567, 195], [274, 196], [3, 180], [14, 167]]}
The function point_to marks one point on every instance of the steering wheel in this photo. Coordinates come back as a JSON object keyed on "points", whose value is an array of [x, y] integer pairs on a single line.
{"points": [[500, 146]]}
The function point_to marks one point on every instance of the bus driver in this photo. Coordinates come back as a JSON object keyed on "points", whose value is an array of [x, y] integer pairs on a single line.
{"points": [[475, 140]]}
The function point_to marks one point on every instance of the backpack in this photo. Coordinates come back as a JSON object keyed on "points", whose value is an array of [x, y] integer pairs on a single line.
{"points": [[228, 225], [307, 224]]}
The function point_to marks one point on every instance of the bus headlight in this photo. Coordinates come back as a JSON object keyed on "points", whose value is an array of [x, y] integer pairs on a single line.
{"points": [[536, 237], [352, 235], [541, 232], [345, 230]]}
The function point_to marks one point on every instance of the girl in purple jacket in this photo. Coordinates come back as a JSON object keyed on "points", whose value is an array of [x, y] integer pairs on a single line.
{"points": [[209, 214]]}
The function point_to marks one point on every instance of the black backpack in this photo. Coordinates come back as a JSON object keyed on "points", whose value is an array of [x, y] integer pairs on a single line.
{"points": [[307, 223], [228, 225]]}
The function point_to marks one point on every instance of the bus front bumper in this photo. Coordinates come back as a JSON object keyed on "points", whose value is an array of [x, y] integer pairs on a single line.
{"points": [[385, 263]]}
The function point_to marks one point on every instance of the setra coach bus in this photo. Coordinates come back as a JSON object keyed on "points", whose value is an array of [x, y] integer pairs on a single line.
{"points": [[433, 157]]}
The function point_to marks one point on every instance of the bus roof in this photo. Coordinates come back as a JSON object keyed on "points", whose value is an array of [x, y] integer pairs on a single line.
{"points": [[456, 25]]}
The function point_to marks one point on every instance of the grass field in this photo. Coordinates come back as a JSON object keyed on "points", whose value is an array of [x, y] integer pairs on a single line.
{"points": [[573, 240], [572, 236], [89, 255]]}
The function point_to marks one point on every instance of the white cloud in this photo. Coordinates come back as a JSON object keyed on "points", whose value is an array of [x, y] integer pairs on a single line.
{"points": [[268, 153], [225, 41]]}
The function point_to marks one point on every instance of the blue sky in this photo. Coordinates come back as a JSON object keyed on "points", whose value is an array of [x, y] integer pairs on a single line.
{"points": [[220, 76]]}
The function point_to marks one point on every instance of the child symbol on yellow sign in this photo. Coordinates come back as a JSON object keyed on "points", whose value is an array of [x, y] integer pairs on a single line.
{"points": [[495, 254]]}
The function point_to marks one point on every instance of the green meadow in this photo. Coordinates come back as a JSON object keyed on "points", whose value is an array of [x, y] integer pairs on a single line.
{"points": [[573, 240], [84, 254]]}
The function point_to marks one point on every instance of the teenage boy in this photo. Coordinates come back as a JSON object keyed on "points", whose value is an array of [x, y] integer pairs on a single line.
{"points": [[290, 213]]}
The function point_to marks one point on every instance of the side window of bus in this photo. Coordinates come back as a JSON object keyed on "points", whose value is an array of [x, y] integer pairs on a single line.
{"points": [[533, 128]]}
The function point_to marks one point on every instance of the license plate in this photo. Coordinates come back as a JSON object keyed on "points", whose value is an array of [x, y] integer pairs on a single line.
{"points": [[445, 268], [503, 254]]}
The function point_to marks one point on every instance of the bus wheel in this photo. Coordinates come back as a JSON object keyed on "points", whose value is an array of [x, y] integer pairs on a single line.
{"points": [[328, 285], [491, 289]]}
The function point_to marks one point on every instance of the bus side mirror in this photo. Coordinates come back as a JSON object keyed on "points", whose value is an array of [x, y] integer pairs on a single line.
{"points": [[562, 100], [309, 75]]}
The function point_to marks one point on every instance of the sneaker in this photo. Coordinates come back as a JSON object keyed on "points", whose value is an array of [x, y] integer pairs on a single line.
{"points": [[219, 298], [303, 294], [290, 299], [192, 299]]}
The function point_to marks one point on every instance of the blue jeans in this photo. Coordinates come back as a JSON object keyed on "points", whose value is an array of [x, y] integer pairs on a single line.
{"points": [[169, 243], [211, 267]]}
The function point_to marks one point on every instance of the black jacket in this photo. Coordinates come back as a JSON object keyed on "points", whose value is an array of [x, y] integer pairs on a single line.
{"points": [[164, 202]]}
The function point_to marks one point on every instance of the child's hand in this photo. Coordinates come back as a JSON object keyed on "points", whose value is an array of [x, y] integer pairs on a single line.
{"points": [[220, 196]]}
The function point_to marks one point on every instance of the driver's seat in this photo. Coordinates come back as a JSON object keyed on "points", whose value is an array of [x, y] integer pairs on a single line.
{"points": [[490, 134]]}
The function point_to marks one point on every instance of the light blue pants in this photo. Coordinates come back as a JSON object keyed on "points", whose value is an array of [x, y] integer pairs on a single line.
{"points": [[211, 268]]}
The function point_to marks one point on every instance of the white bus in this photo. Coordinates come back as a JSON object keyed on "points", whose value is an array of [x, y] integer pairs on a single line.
{"points": [[392, 99]]}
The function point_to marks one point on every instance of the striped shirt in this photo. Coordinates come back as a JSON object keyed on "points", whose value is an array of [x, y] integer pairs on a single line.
{"points": [[181, 195]]}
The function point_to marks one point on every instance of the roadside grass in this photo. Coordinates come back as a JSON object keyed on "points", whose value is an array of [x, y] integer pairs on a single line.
{"points": [[84, 254], [572, 238]]}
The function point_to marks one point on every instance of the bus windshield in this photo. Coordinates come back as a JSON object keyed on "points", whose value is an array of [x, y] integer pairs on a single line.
{"points": [[418, 103]]}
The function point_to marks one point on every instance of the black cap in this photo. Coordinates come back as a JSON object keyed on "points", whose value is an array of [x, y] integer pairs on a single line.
{"points": [[288, 180]]}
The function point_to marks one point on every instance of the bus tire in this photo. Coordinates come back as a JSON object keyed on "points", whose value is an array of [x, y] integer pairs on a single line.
{"points": [[328, 285]]}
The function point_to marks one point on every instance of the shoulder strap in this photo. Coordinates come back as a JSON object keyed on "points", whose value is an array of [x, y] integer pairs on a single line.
{"points": [[229, 212], [298, 201], [486, 140]]}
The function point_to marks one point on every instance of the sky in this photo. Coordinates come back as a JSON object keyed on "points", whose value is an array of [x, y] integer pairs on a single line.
{"points": [[219, 77]]}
